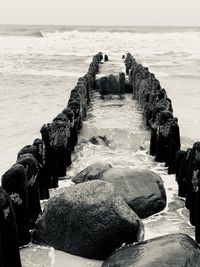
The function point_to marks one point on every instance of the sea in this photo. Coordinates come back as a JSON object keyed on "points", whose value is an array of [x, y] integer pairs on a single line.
{"points": [[39, 66]]}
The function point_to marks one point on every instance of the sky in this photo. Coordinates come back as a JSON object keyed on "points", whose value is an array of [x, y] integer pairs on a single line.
{"points": [[101, 12]]}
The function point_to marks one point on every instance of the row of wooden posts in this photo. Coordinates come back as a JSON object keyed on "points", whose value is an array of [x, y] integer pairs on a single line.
{"points": [[165, 137], [38, 168]]}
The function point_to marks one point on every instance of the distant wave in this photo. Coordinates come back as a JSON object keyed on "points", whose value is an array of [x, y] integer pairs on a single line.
{"points": [[106, 31], [36, 34], [23, 34], [129, 29]]}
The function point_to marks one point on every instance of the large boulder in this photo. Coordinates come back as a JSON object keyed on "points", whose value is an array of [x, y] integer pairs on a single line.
{"points": [[142, 189], [172, 250], [92, 172], [89, 220]]}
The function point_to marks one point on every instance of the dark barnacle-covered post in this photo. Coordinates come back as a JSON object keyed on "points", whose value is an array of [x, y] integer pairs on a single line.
{"points": [[42, 175], [70, 143], [121, 86], [9, 250], [128, 62], [174, 145], [32, 168], [59, 134], [14, 181], [181, 166]]}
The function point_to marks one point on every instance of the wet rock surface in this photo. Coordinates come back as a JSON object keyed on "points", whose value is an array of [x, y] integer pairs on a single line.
{"points": [[92, 172], [142, 190], [88, 220], [169, 251]]}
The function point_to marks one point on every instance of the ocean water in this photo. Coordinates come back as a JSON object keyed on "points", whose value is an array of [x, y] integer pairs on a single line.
{"points": [[39, 66]]}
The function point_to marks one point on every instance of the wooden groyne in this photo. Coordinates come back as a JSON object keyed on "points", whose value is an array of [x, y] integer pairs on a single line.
{"points": [[39, 167], [165, 137], [157, 112]]}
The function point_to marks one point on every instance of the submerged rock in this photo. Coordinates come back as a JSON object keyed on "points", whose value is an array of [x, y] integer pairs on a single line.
{"points": [[92, 172], [88, 220], [172, 250], [142, 190], [97, 140]]}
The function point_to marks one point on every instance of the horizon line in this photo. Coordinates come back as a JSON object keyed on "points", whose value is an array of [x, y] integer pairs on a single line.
{"points": [[85, 25]]}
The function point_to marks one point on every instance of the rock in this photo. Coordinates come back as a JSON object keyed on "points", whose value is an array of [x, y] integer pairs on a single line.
{"points": [[88, 220], [168, 251], [98, 140], [142, 190], [92, 172]]}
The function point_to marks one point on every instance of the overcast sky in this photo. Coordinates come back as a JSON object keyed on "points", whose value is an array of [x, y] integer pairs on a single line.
{"points": [[102, 12]]}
